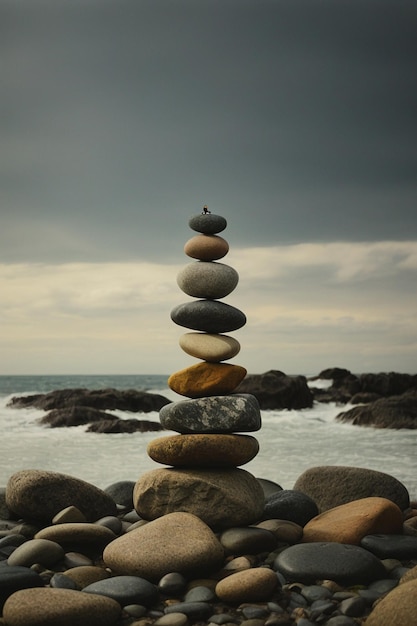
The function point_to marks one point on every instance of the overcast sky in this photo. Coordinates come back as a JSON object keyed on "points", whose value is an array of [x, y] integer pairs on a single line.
{"points": [[294, 119]]}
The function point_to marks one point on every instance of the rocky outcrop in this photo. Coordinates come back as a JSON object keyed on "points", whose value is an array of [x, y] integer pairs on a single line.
{"points": [[116, 425], [101, 399], [395, 412], [276, 390]]}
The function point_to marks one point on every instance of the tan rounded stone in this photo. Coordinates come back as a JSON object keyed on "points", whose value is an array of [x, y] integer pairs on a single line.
{"points": [[59, 607], [203, 450], [253, 585], [85, 575], [221, 498], [77, 534], [209, 347], [207, 379], [349, 523], [69, 515], [397, 608], [206, 247], [177, 542]]}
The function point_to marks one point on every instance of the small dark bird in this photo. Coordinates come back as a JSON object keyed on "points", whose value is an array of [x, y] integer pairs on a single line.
{"points": [[205, 210]]}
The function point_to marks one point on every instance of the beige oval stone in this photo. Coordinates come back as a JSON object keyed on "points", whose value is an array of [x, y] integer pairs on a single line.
{"points": [[349, 523], [177, 542], [207, 379], [203, 450], [221, 498], [209, 347], [77, 534], [85, 575], [59, 607], [397, 608], [253, 585], [206, 247]]}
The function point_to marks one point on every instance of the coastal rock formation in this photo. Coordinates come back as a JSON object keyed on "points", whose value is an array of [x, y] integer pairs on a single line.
{"points": [[276, 390], [394, 412]]}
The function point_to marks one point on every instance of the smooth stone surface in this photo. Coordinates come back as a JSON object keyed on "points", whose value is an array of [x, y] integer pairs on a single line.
{"points": [[207, 279], [40, 495], [349, 523], [207, 223], [125, 590], [247, 540], [206, 247], [221, 498], [85, 575], [215, 414], [121, 492], [332, 485], [209, 347], [59, 607], [391, 546], [69, 515], [36, 551], [209, 316], [291, 505], [172, 584], [347, 565], [177, 542], [203, 450], [206, 379], [253, 585], [284, 530], [397, 608], [195, 611], [78, 534], [14, 578]]}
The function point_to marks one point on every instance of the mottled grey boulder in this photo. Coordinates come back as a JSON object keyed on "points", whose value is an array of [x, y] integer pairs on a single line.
{"points": [[290, 505], [221, 498], [209, 316], [207, 223], [332, 485], [214, 414], [207, 279], [394, 412], [40, 495]]}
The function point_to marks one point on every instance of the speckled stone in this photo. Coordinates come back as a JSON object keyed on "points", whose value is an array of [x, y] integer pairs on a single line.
{"points": [[59, 607], [207, 223], [209, 347], [203, 450], [252, 585], [209, 316], [40, 495], [177, 542], [349, 523], [77, 534], [207, 279], [207, 379], [398, 607], [235, 496], [34, 551], [206, 247], [215, 414], [85, 575]]}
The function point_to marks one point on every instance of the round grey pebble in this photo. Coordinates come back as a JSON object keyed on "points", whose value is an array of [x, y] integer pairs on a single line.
{"points": [[290, 505], [14, 578], [353, 607], [223, 618], [135, 610], [125, 589], [207, 223], [122, 492], [172, 619], [200, 594], [193, 610], [172, 583], [210, 316], [315, 592], [60, 581]]}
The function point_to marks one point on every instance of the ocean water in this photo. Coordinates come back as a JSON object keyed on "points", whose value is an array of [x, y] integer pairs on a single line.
{"points": [[290, 441]]}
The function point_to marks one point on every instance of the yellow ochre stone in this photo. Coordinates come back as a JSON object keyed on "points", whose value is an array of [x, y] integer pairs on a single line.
{"points": [[207, 379]]}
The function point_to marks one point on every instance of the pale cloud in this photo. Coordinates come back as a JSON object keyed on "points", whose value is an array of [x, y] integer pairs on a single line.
{"points": [[308, 306]]}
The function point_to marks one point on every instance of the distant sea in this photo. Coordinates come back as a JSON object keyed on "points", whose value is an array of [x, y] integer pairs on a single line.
{"points": [[290, 441]]}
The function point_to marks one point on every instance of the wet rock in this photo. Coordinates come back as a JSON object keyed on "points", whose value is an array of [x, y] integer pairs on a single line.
{"points": [[291, 505], [394, 412], [276, 390]]}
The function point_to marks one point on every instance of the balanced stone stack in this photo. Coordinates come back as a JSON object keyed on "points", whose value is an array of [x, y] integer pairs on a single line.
{"points": [[204, 458]]}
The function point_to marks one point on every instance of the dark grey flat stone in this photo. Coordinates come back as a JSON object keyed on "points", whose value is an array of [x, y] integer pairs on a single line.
{"points": [[210, 316], [391, 546], [125, 589], [207, 223], [290, 505]]}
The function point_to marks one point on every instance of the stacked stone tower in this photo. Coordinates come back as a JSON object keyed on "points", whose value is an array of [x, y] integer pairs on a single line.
{"points": [[203, 477]]}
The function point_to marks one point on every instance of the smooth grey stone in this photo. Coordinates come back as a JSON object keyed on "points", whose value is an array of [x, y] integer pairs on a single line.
{"points": [[34, 551], [15, 578], [111, 522], [60, 581], [207, 223], [383, 586], [316, 592], [210, 316], [200, 593], [122, 492], [268, 486], [290, 505], [353, 607], [207, 279], [12, 540], [369, 595], [172, 583], [135, 610], [341, 620], [125, 589], [214, 414], [255, 612], [345, 564], [247, 540], [171, 619], [223, 618], [391, 546], [6, 551], [193, 610]]}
